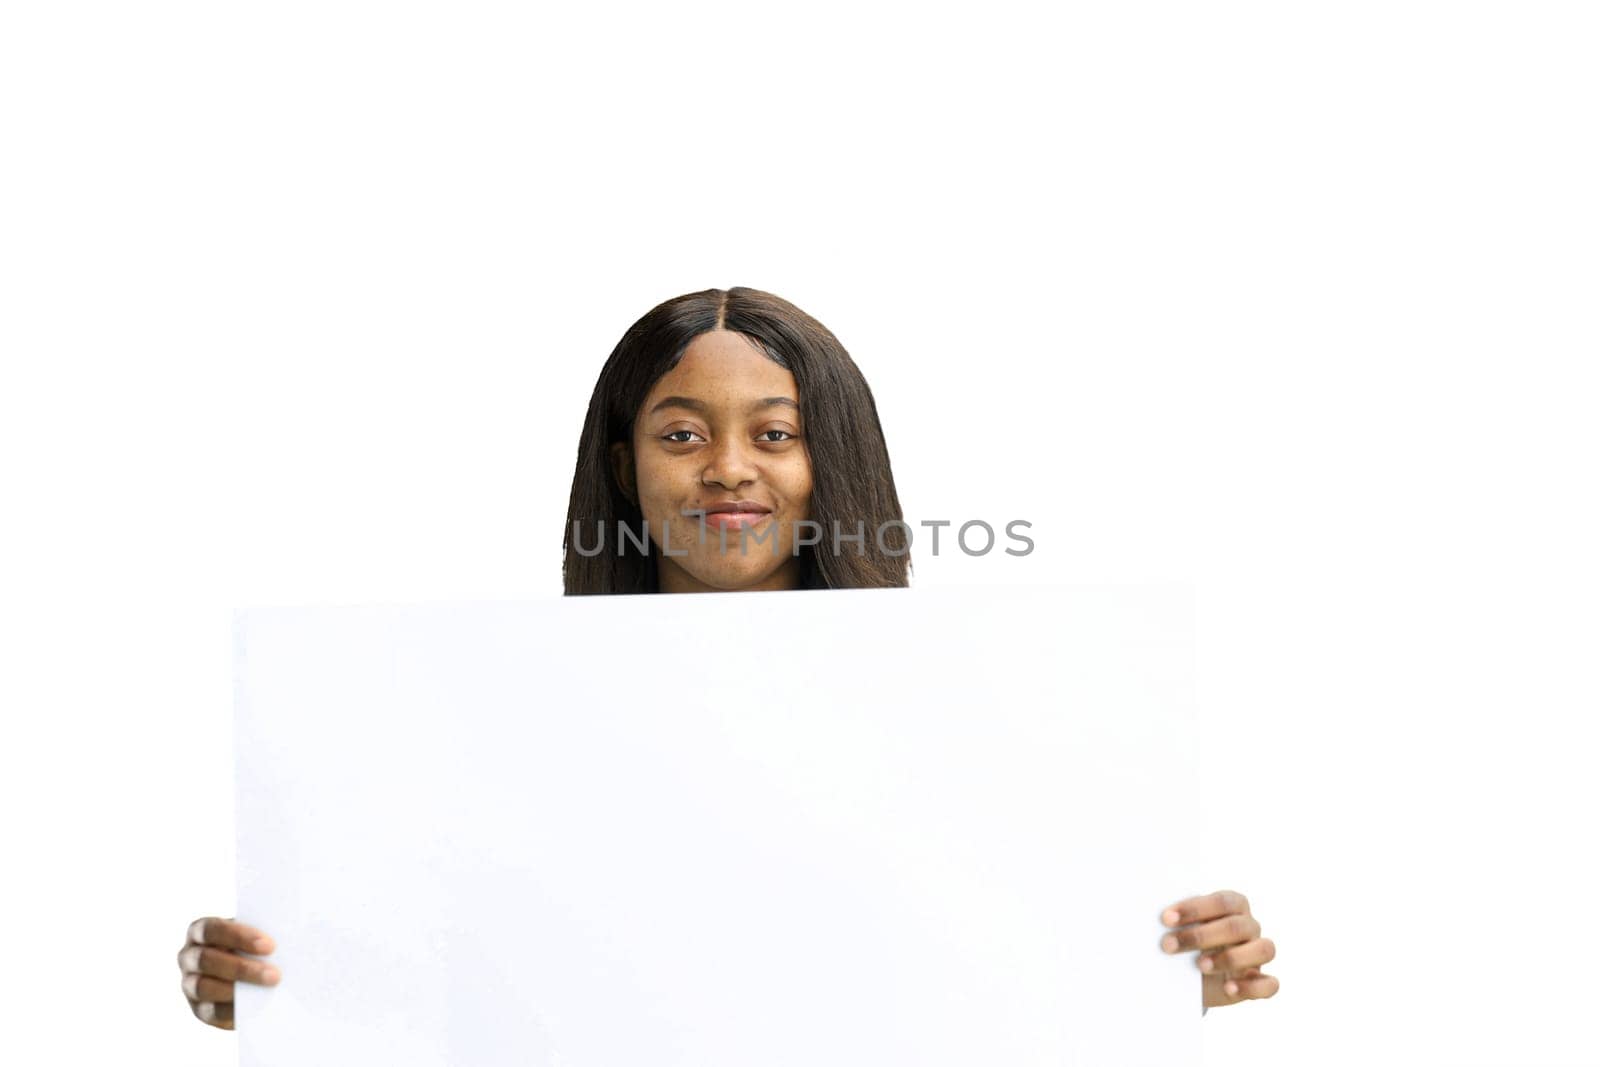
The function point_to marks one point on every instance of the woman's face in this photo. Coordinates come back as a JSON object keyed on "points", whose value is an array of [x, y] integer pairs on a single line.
{"points": [[722, 428]]}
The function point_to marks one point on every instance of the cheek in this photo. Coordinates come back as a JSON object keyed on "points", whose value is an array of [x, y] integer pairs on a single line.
{"points": [[796, 485], [657, 488]]}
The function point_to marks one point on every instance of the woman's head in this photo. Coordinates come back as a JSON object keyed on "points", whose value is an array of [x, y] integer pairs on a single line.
{"points": [[732, 398]]}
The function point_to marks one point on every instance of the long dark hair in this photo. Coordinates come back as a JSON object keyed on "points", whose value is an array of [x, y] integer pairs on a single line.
{"points": [[851, 482]]}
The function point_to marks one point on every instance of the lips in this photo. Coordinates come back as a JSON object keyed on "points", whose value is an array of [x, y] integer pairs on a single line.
{"points": [[737, 507], [736, 514]]}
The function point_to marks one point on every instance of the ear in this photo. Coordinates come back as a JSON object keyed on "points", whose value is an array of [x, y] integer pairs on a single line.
{"points": [[622, 470]]}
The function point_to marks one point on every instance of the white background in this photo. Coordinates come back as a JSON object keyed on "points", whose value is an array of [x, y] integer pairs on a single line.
{"points": [[304, 303]]}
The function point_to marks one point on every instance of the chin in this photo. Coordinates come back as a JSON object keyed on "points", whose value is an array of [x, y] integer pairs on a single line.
{"points": [[735, 581], [732, 578]]}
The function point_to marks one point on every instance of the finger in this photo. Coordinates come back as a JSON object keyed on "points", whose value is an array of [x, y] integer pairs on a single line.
{"points": [[220, 963], [1238, 958], [1257, 988], [1219, 933], [225, 933], [1202, 909], [199, 987], [213, 1014]]}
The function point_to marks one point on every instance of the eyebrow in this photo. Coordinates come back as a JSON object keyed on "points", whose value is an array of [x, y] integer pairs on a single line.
{"points": [[699, 405]]}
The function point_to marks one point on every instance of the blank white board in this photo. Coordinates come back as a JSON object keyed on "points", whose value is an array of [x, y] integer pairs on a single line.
{"points": [[844, 827]]}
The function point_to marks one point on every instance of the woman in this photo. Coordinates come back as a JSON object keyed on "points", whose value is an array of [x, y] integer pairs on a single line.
{"points": [[729, 436], [717, 399]]}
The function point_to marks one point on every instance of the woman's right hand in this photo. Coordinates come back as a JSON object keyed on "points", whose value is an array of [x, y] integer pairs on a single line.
{"points": [[211, 962]]}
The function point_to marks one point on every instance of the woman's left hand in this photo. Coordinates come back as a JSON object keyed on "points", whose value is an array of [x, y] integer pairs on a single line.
{"points": [[1232, 949]]}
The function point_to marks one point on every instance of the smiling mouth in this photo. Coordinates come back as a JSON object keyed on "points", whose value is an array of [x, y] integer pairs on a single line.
{"points": [[732, 515], [735, 519]]}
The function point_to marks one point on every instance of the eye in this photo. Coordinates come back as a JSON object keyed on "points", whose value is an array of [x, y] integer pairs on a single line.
{"points": [[673, 436], [775, 440]]}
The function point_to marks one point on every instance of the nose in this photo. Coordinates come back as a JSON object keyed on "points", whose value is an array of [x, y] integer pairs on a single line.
{"points": [[729, 463]]}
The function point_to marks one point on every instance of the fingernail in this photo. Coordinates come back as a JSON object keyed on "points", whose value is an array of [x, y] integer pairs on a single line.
{"points": [[261, 944], [269, 975], [1232, 988], [1206, 964], [1169, 944], [1170, 917]]}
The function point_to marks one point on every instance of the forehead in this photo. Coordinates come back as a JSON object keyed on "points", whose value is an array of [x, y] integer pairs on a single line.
{"points": [[727, 366]]}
